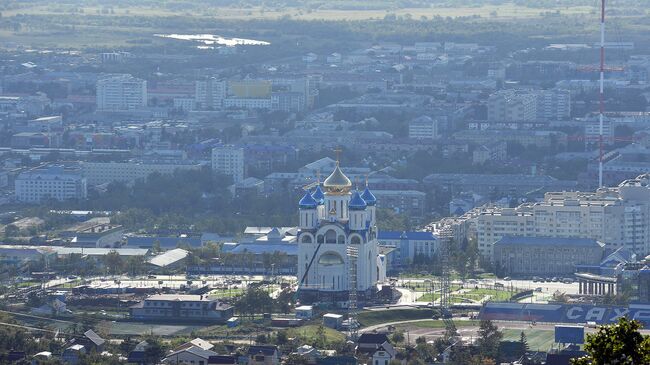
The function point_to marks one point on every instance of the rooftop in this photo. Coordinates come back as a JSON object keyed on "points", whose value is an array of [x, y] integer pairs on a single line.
{"points": [[548, 241]]}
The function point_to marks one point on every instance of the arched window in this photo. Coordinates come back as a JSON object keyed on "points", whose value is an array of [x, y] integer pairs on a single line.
{"points": [[330, 236], [306, 239], [341, 239], [320, 239], [355, 240]]}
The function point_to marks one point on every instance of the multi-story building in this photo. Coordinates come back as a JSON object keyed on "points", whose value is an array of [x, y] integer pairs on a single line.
{"points": [[121, 92], [553, 104], [53, 182], [98, 173], [229, 160], [409, 245], [617, 217], [181, 308], [423, 127], [507, 105], [209, 94], [409, 202], [545, 256]]}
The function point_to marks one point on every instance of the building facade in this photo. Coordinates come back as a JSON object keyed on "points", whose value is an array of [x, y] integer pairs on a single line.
{"points": [[229, 160], [619, 217], [121, 93], [423, 127], [545, 256], [53, 182], [512, 105], [337, 237], [181, 308], [128, 171]]}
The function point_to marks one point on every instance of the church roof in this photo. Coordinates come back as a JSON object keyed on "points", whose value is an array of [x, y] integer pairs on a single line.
{"points": [[318, 195], [337, 182], [356, 202], [307, 202], [369, 197]]}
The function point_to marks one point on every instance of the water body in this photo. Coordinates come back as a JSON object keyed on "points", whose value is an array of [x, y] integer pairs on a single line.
{"points": [[209, 40]]}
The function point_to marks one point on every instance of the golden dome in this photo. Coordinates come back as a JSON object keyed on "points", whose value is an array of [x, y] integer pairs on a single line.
{"points": [[337, 182]]}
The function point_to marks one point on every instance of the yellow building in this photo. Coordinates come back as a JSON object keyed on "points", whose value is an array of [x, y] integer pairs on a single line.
{"points": [[257, 89]]}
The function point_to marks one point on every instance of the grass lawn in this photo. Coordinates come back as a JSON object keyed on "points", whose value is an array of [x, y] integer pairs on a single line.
{"points": [[226, 293], [309, 334], [431, 323], [371, 318], [538, 340]]}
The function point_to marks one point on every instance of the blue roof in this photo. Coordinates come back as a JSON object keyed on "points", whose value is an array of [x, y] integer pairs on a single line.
{"points": [[396, 235], [356, 202], [165, 242], [308, 202], [369, 197], [547, 241], [318, 195], [260, 248]]}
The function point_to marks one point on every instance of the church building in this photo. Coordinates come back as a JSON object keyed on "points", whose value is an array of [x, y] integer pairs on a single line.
{"points": [[337, 236]]}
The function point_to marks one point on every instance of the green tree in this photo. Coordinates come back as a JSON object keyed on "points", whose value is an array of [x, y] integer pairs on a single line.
{"points": [[113, 262], [489, 338], [619, 343], [11, 231], [523, 344]]}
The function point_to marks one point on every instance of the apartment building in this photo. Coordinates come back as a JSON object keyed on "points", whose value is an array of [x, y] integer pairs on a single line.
{"points": [[97, 173], [512, 105], [553, 104], [617, 217], [423, 127], [53, 182], [229, 160], [181, 308], [121, 93], [209, 93]]}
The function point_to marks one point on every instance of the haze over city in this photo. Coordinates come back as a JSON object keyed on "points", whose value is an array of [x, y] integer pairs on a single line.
{"points": [[342, 182]]}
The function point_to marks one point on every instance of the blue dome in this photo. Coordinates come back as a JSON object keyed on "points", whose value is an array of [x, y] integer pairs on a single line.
{"points": [[369, 197], [318, 195], [356, 202], [307, 202]]}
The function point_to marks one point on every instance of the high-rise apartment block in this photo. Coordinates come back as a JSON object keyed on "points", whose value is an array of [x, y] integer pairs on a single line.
{"points": [[121, 93], [229, 160]]}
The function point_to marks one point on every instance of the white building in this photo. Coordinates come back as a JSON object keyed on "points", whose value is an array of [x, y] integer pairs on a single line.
{"points": [[181, 308], [98, 173], [337, 229], [229, 160], [618, 217], [553, 104], [247, 103], [120, 93], [423, 127], [53, 182], [209, 94], [512, 105]]}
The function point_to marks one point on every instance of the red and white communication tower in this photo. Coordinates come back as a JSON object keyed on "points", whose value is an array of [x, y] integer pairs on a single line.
{"points": [[601, 110]]}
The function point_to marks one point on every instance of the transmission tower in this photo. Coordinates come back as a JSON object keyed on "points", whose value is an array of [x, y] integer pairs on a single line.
{"points": [[445, 278], [353, 253]]}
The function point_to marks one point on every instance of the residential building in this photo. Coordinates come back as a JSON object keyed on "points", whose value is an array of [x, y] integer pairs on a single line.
{"points": [[98, 173], [191, 355], [263, 355], [229, 160], [495, 151], [52, 182], [423, 127], [512, 105], [210, 93], [545, 256], [121, 93], [409, 245], [553, 104], [181, 308], [486, 184], [619, 217], [409, 202]]}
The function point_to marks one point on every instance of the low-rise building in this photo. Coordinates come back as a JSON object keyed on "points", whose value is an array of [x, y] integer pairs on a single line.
{"points": [[410, 246], [545, 256], [263, 355], [181, 308], [52, 182]]}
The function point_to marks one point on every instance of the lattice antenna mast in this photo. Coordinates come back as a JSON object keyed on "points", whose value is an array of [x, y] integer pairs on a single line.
{"points": [[445, 276], [353, 253]]}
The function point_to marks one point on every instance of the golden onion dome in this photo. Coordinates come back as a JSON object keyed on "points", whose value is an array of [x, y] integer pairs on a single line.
{"points": [[337, 182]]}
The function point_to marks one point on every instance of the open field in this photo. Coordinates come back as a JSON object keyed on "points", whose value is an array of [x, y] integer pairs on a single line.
{"points": [[538, 340], [370, 318], [309, 333], [509, 11]]}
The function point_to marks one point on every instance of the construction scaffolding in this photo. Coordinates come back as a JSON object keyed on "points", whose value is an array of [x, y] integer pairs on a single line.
{"points": [[353, 324]]}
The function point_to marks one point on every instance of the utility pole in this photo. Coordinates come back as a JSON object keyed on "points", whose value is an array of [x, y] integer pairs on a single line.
{"points": [[601, 111]]}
